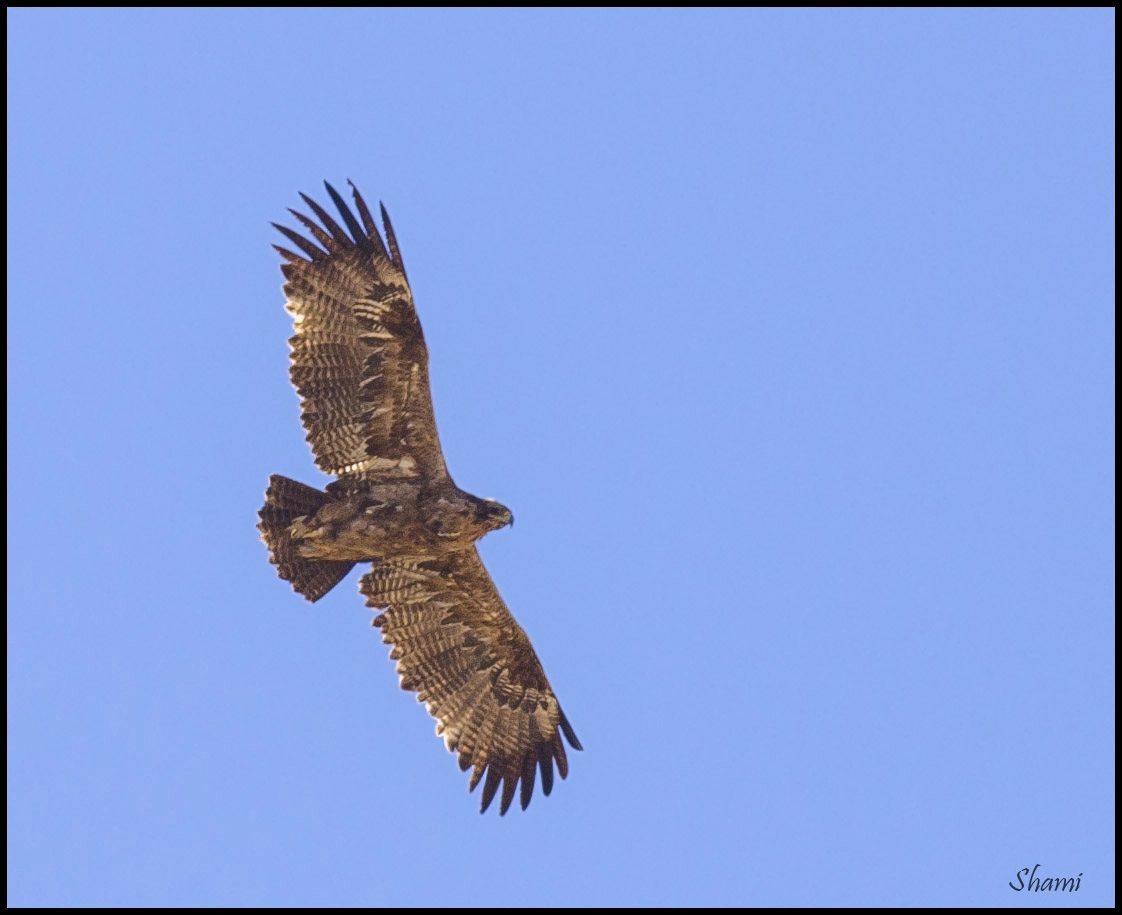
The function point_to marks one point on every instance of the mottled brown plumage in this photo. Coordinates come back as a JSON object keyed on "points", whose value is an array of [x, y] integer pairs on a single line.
{"points": [[360, 366]]}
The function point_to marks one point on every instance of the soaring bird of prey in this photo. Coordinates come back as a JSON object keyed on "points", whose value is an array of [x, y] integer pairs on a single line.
{"points": [[360, 367]]}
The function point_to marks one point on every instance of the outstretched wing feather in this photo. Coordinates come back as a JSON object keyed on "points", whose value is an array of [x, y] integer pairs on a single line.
{"points": [[457, 645], [359, 361]]}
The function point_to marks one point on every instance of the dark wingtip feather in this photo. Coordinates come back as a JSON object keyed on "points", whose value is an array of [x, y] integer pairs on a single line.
{"points": [[547, 770], [360, 238], [391, 239], [510, 785], [529, 766], [368, 223], [559, 755], [570, 735], [301, 242], [327, 242], [288, 256], [489, 788], [328, 223]]}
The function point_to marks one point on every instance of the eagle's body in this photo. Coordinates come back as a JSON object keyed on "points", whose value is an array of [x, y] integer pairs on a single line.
{"points": [[360, 366], [388, 520]]}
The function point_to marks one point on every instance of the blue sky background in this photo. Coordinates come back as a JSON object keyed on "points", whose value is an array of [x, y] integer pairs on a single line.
{"points": [[787, 336]]}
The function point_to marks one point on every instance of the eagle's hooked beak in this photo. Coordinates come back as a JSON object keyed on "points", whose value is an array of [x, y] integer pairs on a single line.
{"points": [[496, 514]]}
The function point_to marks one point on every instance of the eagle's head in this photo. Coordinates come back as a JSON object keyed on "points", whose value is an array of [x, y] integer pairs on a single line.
{"points": [[492, 515]]}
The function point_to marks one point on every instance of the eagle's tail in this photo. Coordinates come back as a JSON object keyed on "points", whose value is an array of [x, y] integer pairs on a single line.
{"points": [[285, 501]]}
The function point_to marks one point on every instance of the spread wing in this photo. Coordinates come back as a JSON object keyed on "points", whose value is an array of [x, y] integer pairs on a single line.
{"points": [[359, 361], [458, 647]]}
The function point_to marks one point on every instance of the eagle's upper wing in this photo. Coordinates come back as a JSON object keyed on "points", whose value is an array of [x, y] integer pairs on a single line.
{"points": [[359, 361], [458, 647]]}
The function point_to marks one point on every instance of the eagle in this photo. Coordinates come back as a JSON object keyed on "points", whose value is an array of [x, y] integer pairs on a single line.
{"points": [[360, 368]]}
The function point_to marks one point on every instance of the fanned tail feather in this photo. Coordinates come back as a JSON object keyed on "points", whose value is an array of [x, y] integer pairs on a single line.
{"points": [[285, 501]]}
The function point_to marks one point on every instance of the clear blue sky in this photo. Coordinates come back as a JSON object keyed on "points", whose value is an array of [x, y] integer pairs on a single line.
{"points": [[787, 336]]}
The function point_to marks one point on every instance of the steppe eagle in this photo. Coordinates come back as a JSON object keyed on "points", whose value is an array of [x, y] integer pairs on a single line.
{"points": [[360, 367]]}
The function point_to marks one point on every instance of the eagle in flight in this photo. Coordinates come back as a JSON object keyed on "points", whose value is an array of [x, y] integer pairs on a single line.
{"points": [[360, 367]]}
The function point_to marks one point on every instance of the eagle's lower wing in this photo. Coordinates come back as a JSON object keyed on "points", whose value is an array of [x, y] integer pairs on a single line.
{"points": [[359, 361], [458, 647]]}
